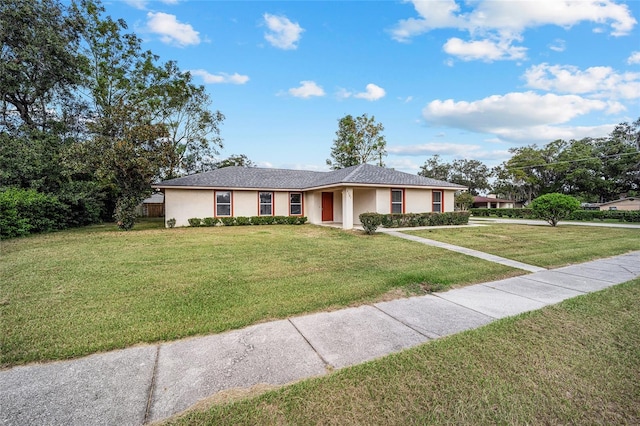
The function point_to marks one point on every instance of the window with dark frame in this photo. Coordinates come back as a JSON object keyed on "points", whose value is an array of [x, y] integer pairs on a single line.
{"points": [[223, 203], [397, 201], [266, 203], [437, 201], [295, 204]]}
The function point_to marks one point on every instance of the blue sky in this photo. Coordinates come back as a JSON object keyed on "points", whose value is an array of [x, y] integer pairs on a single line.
{"points": [[462, 79]]}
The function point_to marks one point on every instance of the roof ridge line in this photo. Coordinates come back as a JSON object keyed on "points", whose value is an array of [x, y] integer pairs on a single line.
{"points": [[358, 167]]}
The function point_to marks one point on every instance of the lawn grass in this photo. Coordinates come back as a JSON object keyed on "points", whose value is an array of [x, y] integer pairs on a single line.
{"points": [[81, 291], [573, 363], [540, 245]]}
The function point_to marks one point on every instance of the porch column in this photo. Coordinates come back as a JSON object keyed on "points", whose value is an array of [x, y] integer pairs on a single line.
{"points": [[347, 208]]}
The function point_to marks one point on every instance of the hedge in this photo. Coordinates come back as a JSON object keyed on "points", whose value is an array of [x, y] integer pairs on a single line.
{"points": [[370, 221], [26, 211], [580, 215], [245, 221]]}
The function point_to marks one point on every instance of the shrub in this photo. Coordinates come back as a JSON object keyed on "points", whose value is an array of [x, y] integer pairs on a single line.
{"points": [[228, 221], [554, 207], [243, 221], [195, 221], [463, 201], [171, 222], [371, 221], [26, 211], [209, 221]]}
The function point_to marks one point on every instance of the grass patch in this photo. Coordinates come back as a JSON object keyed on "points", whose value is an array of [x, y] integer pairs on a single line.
{"points": [[573, 363], [540, 245], [81, 291]]}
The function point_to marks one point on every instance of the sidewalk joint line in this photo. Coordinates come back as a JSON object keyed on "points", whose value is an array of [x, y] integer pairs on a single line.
{"points": [[324, 361], [429, 335], [152, 385], [466, 307]]}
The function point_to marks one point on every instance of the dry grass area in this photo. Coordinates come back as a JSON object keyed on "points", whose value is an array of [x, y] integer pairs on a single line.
{"points": [[573, 363]]}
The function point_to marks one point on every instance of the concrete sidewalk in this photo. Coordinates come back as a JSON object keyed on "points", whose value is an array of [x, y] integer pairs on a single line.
{"points": [[152, 382]]}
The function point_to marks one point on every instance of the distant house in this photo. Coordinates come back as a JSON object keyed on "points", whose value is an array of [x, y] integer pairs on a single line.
{"points": [[152, 206], [338, 196], [492, 202], [629, 203]]}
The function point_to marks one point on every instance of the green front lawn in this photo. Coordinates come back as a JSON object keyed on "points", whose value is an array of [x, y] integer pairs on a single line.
{"points": [[76, 292], [573, 363], [540, 245]]}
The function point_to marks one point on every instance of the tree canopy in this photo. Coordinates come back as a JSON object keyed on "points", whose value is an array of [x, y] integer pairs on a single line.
{"points": [[90, 116], [358, 140]]}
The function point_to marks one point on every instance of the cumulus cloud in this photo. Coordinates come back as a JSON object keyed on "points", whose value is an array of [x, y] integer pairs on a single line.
{"points": [[599, 82], [307, 89], [171, 30], [488, 20], [516, 116], [486, 50], [634, 58], [282, 33], [372, 92], [220, 78]]}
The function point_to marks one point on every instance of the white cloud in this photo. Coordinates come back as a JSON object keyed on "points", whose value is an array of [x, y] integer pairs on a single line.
{"points": [[493, 25], [283, 33], [172, 31], [307, 89], [516, 116], [372, 93], [486, 50], [599, 82], [634, 58], [558, 45], [442, 148], [219, 78], [138, 4]]}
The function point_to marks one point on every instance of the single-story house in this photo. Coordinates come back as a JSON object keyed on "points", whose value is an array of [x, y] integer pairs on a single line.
{"points": [[629, 203], [338, 196], [492, 202], [152, 206]]}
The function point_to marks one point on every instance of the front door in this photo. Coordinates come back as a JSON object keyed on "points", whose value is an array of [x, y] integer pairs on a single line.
{"points": [[327, 206]]}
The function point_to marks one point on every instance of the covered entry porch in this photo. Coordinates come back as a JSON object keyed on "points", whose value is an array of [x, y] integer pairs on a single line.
{"points": [[343, 205]]}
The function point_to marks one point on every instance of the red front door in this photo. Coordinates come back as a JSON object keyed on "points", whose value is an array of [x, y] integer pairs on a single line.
{"points": [[327, 206]]}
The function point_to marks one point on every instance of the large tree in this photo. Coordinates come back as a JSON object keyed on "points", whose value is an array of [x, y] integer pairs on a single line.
{"points": [[435, 168], [88, 115], [471, 173], [358, 140]]}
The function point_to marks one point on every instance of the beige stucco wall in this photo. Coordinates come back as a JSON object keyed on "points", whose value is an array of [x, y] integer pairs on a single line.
{"points": [[364, 201], [623, 205], [313, 206], [383, 200], [337, 205], [282, 204], [449, 201], [183, 204], [245, 203], [417, 200]]}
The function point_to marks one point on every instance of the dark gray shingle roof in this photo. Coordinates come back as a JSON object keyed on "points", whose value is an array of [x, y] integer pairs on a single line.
{"points": [[257, 178]]}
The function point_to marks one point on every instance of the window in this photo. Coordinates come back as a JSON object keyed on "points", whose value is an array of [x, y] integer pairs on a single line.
{"points": [[295, 204], [266, 203], [437, 202], [223, 203], [397, 201]]}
